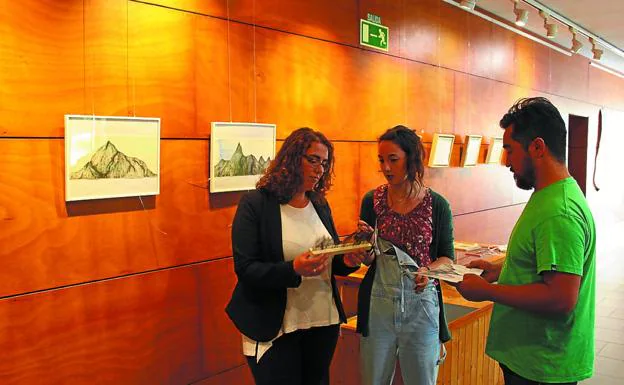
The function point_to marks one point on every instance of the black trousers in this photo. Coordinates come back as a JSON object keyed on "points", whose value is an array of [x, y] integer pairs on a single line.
{"points": [[512, 378], [298, 358]]}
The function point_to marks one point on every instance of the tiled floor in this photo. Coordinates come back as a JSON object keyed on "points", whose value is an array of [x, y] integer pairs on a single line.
{"points": [[609, 364]]}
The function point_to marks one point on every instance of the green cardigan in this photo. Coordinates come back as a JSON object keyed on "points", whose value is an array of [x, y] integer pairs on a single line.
{"points": [[441, 246]]}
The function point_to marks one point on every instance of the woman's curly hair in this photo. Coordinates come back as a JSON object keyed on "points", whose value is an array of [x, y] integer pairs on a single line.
{"points": [[283, 177]]}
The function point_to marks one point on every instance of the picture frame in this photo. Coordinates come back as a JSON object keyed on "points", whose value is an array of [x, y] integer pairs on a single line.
{"points": [[441, 149], [239, 154], [111, 157], [495, 151], [472, 147]]}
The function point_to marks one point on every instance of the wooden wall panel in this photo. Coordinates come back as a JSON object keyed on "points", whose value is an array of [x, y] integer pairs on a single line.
{"points": [[47, 243], [225, 85], [490, 226], [481, 93], [345, 366], [473, 189], [453, 45], [563, 69], [206, 7], [322, 19], [221, 341], [532, 65], [162, 72], [42, 72], [481, 50], [370, 172], [422, 30], [463, 104], [503, 60], [372, 83], [105, 59], [342, 197], [605, 89], [138, 330], [430, 99]]}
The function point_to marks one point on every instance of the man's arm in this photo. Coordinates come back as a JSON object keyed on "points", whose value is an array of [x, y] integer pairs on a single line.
{"points": [[556, 294], [491, 271]]}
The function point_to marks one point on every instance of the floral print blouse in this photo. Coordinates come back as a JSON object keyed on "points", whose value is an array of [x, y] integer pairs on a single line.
{"points": [[412, 232]]}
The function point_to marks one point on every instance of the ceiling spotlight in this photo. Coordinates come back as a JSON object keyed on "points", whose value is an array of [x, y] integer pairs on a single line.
{"points": [[576, 45], [468, 4], [522, 15], [551, 28], [595, 50]]}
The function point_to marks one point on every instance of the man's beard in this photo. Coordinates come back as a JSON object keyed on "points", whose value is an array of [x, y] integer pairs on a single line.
{"points": [[526, 181]]}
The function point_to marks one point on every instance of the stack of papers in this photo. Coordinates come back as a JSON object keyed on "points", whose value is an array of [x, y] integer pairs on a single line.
{"points": [[466, 246], [450, 272]]}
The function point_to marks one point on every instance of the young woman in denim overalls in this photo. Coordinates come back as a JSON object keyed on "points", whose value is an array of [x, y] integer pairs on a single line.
{"points": [[400, 314]]}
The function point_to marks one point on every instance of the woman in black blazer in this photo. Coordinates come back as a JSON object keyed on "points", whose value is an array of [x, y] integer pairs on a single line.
{"points": [[286, 303]]}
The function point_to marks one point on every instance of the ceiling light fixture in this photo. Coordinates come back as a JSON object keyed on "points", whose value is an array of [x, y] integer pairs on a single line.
{"points": [[522, 15], [510, 27], [595, 50], [468, 4], [565, 21], [576, 44], [551, 28]]}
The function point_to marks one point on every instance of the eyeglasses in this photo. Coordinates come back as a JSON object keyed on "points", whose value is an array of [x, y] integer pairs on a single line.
{"points": [[315, 161]]}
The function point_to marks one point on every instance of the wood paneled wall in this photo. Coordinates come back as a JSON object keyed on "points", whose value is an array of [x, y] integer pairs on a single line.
{"points": [[132, 291]]}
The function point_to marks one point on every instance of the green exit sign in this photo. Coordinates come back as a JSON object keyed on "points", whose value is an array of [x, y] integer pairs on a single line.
{"points": [[373, 34]]}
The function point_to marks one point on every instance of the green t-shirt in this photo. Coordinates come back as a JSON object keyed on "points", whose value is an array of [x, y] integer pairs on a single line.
{"points": [[555, 232]]}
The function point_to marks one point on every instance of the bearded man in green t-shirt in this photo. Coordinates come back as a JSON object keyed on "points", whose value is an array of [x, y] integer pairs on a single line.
{"points": [[542, 325]]}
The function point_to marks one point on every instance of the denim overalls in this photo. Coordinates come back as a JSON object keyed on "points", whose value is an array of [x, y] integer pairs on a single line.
{"points": [[401, 322]]}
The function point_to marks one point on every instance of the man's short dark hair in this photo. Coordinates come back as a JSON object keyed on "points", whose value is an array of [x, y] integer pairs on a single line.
{"points": [[537, 118]]}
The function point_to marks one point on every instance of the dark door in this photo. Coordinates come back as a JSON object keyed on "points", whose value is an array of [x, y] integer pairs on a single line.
{"points": [[577, 149]]}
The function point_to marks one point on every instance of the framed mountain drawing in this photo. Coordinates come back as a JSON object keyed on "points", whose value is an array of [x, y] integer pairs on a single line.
{"points": [[239, 154], [111, 157]]}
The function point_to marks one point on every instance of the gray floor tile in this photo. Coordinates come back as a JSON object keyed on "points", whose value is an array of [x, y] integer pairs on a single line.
{"points": [[615, 351], [599, 345], [604, 311], [610, 323], [616, 313], [601, 380], [609, 335], [609, 367]]}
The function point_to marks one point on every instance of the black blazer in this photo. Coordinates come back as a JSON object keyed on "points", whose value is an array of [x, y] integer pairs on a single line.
{"points": [[258, 302]]}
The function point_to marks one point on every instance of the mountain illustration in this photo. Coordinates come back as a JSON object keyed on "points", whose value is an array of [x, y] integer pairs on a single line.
{"points": [[108, 162], [240, 165]]}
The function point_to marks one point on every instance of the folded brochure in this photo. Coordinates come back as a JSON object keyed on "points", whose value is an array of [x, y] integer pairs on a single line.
{"points": [[450, 272]]}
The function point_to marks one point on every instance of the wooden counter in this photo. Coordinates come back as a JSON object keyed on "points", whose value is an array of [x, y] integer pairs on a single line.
{"points": [[466, 362]]}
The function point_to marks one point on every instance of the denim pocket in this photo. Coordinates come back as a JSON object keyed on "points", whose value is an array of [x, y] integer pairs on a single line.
{"points": [[431, 306]]}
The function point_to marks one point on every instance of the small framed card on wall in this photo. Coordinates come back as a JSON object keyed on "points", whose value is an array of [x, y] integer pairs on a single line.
{"points": [[441, 148], [495, 151], [470, 156]]}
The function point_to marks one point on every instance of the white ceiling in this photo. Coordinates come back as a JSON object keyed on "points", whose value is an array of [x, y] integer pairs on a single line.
{"points": [[603, 18]]}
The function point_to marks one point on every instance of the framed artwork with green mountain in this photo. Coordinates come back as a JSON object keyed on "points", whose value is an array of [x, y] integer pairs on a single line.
{"points": [[239, 154], [111, 157]]}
